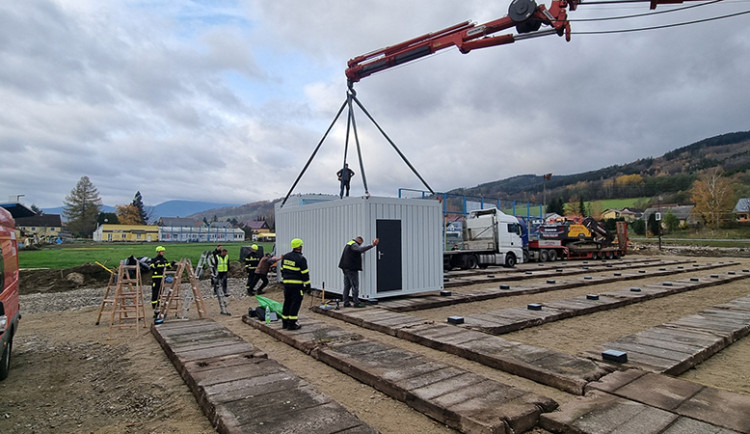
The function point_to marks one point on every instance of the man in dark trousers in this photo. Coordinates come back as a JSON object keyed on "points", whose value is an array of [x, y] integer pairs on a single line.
{"points": [[345, 176], [261, 272], [351, 265], [158, 264], [222, 269], [296, 278], [251, 263]]}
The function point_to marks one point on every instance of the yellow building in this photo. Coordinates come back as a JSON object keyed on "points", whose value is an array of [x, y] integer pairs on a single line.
{"points": [[111, 232], [44, 228]]}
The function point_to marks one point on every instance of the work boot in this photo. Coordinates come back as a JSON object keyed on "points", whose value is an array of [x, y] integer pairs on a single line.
{"points": [[284, 324], [260, 291], [293, 326]]}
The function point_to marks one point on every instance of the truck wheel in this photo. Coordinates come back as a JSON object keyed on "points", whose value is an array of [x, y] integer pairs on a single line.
{"points": [[552, 255], [543, 256], [525, 256], [5, 360], [510, 260], [471, 262]]}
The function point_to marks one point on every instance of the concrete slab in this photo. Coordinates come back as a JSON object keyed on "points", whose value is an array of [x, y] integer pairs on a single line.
{"points": [[675, 347], [424, 384], [604, 413], [239, 392], [719, 407]]}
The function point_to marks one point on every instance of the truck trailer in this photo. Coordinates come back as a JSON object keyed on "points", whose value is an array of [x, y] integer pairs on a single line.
{"points": [[577, 239], [490, 237]]}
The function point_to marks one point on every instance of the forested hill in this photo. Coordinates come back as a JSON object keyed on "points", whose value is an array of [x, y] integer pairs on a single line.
{"points": [[671, 174]]}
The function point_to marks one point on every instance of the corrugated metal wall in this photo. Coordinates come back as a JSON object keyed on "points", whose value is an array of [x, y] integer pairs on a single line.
{"points": [[326, 227]]}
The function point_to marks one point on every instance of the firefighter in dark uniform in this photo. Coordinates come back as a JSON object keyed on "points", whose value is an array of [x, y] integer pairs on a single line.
{"points": [[158, 264], [251, 263], [296, 279]]}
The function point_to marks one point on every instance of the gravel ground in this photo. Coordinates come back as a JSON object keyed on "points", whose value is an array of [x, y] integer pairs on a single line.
{"points": [[68, 375]]}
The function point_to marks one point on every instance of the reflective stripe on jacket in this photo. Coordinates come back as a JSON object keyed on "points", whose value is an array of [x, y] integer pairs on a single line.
{"points": [[294, 269]]}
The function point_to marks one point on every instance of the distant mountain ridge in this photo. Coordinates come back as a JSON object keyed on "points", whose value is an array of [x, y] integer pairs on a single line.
{"points": [[672, 173], [170, 208]]}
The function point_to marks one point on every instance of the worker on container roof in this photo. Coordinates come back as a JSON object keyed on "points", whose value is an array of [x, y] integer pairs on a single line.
{"points": [[345, 176]]}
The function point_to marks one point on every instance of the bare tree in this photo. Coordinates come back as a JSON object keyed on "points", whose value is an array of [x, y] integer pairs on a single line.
{"points": [[82, 207], [713, 194]]}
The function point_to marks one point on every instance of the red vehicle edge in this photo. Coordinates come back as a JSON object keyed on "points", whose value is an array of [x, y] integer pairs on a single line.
{"points": [[10, 313]]}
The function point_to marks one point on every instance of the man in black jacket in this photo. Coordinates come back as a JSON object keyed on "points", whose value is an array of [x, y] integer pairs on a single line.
{"points": [[351, 265], [251, 263], [296, 278]]}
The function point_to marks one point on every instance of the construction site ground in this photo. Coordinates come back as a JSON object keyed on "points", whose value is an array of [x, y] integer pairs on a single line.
{"points": [[67, 376]]}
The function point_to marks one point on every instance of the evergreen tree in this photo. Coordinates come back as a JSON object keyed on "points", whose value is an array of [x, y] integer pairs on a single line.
{"points": [[82, 207], [36, 209], [582, 207], [138, 204]]}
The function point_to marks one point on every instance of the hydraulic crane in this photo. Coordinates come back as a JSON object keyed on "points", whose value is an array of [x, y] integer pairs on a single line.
{"points": [[524, 15]]}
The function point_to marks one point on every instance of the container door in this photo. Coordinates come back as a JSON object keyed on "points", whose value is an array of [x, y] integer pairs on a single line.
{"points": [[389, 255]]}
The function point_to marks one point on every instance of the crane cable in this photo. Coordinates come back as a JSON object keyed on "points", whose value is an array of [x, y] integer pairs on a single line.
{"points": [[645, 14], [664, 26]]}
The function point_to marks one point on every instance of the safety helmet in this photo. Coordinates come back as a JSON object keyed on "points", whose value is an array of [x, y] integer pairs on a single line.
{"points": [[297, 242], [160, 249], [254, 247]]}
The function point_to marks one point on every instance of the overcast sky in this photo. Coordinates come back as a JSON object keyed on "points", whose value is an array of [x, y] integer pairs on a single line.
{"points": [[225, 101]]}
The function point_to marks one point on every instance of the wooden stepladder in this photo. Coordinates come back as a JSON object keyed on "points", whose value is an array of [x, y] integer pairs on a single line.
{"points": [[127, 306], [173, 300], [107, 297]]}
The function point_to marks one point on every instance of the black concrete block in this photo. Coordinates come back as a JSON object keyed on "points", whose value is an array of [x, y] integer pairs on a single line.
{"points": [[455, 320], [694, 279], [662, 269], [550, 281], [618, 274], [585, 268], [715, 276], [667, 283], [635, 289], [445, 293], [559, 270], [445, 279], [680, 267], [586, 277], [592, 297], [490, 276], [615, 356], [504, 286], [731, 272], [528, 272], [642, 271], [534, 306]]}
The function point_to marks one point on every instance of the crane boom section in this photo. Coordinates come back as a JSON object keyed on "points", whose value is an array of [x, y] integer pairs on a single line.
{"points": [[525, 15]]}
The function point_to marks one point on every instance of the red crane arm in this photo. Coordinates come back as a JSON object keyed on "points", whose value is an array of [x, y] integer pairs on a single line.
{"points": [[525, 15]]}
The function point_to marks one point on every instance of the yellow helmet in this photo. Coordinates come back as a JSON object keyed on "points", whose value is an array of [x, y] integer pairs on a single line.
{"points": [[297, 242], [160, 249], [254, 247]]}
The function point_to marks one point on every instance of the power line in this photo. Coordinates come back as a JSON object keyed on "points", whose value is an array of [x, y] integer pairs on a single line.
{"points": [[645, 14], [601, 32]]}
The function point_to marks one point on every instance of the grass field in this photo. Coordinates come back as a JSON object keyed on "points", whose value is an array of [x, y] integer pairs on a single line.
{"points": [[72, 255]]}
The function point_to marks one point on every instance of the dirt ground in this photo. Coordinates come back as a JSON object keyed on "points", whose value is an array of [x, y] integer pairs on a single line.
{"points": [[67, 376]]}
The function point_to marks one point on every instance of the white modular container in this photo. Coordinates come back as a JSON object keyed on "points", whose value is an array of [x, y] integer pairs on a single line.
{"points": [[408, 260]]}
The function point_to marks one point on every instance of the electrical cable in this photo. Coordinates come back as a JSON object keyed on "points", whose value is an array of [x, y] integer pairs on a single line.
{"points": [[645, 14], [664, 26]]}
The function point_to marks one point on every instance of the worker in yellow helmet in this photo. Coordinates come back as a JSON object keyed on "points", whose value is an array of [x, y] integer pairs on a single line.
{"points": [[296, 278], [251, 263], [158, 264]]}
